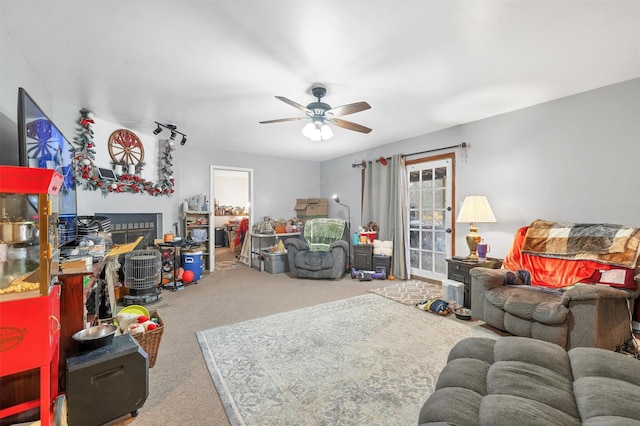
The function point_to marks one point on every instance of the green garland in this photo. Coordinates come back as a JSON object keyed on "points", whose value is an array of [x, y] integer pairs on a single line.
{"points": [[86, 177]]}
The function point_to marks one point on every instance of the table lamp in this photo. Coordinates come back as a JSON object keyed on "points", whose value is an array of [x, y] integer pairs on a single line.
{"points": [[475, 209]]}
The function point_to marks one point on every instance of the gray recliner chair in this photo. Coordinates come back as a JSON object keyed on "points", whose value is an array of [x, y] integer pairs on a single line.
{"points": [[322, 250]]}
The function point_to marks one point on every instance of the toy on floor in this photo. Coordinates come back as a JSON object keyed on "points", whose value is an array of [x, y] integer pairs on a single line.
{"points": [[368, 275], [187, 276]]}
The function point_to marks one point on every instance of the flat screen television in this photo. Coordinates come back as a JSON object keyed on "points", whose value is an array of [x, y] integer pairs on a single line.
{"points": [[10, 148], [43, 145]]}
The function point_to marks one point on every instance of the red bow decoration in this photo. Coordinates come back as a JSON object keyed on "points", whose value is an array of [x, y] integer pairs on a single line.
{"points": [[383, 161], [86, 121]]}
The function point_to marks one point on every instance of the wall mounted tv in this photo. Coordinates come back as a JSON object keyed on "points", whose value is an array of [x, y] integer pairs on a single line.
{"points": [[43, 145]]}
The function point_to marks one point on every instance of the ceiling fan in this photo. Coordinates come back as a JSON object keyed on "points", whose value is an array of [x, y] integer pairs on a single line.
{"points": [[321, 113]]}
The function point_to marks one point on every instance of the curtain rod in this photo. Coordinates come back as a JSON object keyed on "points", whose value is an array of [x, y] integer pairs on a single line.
{"points": [[363, 163]]}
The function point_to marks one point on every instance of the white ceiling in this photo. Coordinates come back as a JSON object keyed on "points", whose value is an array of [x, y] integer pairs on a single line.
{"points": [[214, 67]]}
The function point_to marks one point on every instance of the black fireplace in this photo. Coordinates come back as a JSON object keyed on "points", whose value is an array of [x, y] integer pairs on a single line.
{"points": [[127, 227]]}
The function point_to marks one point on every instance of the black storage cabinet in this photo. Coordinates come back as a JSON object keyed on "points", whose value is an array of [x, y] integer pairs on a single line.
{"points": [[106, 383]]}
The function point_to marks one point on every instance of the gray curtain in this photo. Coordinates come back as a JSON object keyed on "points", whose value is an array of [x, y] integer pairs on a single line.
{"points": [[385, 202]]}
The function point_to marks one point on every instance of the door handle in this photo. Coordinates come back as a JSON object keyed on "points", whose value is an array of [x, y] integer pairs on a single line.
{"points": [[448, 230]]}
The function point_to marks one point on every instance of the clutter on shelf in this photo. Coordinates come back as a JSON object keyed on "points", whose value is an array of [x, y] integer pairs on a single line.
{"points": [[277, 226]]}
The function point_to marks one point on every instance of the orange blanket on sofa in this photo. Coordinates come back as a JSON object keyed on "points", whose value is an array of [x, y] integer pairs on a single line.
{"points": [[551, 272]]}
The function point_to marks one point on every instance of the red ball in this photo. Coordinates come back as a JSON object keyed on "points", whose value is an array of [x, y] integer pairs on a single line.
{"points": [[188, 276]]}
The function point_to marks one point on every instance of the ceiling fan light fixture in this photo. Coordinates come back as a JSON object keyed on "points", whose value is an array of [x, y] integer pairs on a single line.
{"points": [[326, 132], [317, 131]]}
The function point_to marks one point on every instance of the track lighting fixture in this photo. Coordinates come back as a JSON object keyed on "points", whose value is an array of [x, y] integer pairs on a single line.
{"points": [[174, 132]]}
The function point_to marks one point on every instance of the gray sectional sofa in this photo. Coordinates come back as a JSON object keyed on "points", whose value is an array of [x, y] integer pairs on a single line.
{"points": [[522, 381]]}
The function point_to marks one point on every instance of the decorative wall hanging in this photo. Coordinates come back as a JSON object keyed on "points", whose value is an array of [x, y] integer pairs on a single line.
{"points": [[86, 172], [125, 148]]}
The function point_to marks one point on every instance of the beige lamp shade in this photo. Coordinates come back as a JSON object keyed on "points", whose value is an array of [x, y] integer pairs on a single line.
{"points": [[475, 209]]}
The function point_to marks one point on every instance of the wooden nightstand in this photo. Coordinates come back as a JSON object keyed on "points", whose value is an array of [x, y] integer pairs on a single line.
{"points": [[458, 270]]}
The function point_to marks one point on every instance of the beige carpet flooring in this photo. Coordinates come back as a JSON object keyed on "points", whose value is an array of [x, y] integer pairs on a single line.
{"points": [[181, 391]]}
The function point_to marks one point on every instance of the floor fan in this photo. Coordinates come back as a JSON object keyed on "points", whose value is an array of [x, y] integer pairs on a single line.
{"points": [[142, 272]]}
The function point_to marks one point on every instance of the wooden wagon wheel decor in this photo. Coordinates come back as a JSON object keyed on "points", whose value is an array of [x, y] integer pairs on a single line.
{"points": [[125, 148]]}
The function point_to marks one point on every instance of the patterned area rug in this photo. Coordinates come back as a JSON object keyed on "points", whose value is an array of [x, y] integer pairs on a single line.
{"points": [[410, 292], [366, 360]]}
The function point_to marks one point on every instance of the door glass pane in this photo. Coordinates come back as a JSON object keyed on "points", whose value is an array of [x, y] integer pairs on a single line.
{"points": [[414, 239]]}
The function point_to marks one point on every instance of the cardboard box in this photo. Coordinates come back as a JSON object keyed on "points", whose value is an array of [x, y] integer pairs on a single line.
{"points": [[311, 207], [301, 205]]}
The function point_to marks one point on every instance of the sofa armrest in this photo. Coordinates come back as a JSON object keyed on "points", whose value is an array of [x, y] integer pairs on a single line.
{"points": [[340, 243], [581, 292], [298, 244], [483, 279], [487, 277]]}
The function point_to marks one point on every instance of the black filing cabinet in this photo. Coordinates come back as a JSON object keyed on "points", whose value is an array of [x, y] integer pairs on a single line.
{"points": [[362, 254], [458, 270]]}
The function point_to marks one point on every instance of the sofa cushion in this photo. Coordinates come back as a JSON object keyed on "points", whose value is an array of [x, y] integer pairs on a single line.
{"points": [[466, 373], [532, 369], [529, 304], [532, 382], [457, 406], [473, 347], [607, 385], [499, 410]]}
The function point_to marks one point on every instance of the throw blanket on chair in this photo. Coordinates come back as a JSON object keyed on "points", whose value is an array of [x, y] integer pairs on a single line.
{"points": [[610, 244], [320, 233]]}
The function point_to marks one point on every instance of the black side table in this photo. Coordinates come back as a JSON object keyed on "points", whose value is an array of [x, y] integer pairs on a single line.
{"points": [[362, 256], [458, 270]]}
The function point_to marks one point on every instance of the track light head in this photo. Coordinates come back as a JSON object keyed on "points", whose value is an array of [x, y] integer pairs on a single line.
{"points": [[158, 129], [184, 140], [173, 135]]}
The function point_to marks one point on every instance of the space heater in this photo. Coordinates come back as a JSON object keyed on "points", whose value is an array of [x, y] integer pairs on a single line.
{"points": [[142, 274]]}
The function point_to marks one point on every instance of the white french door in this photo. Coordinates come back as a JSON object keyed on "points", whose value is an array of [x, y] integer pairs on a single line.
{"points": [[430, 217]]}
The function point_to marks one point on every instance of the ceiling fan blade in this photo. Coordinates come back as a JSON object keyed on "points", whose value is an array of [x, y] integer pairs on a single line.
{"points": [[295, 105], [349, 125], [280, 120], [348, 109]]}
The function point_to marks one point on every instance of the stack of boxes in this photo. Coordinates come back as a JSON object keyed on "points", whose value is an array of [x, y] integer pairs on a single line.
{"points": [[311, 208]]}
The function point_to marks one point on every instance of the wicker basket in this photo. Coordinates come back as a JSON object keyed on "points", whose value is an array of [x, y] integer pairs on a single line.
{"points": [[150, 340]]}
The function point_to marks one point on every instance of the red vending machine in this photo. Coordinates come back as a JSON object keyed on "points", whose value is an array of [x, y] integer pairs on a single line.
{"points": [[29, 294]]}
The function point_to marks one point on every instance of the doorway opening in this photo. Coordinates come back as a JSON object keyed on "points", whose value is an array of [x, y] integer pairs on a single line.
{"points": [[231, 192]]}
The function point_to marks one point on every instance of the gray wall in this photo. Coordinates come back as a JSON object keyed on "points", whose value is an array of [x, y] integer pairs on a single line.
{"points": [[277, 182], [572, 159]]}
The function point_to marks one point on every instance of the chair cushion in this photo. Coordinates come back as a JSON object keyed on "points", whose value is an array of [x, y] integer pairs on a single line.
{"points": [[314, 260]]}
